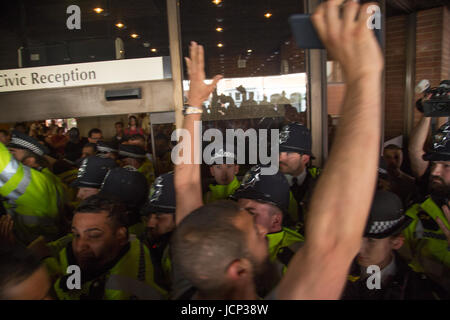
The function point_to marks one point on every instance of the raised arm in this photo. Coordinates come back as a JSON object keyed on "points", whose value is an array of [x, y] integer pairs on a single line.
{"points": [[344, 192], [187, 178]]}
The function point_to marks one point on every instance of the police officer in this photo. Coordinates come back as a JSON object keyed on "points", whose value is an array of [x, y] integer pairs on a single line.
{"points": [[91, 174], [31, 153], [295, 155], [223, 168], [160, 213], [31, 199], [428, 237], [134, 156], [382, 238], [130, 187], [267, 198], [28, 150], [111, 266]]}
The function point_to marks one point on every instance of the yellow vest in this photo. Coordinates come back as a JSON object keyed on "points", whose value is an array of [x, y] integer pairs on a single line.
{"points": [[67, 178], [63, 191], [282, 245], [424, 238], [131, 278], [221, 192], [32, 199]]}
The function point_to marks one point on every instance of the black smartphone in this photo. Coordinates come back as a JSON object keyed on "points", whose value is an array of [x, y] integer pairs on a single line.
{"points": [[305, 34]]}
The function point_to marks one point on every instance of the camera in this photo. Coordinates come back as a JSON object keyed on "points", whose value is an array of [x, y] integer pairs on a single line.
{"points": [[435, 101]]}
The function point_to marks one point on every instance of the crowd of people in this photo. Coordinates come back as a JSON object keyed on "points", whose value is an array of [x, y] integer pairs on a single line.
{"points": [[91, 219]]}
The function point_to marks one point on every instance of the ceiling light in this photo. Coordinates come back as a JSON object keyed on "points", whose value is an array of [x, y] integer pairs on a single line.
{"points": [[120, 25], [267, 15], [154, 50], [98, 10], [219, 29], [249, 50], [220, 45], [134, 35], [217, 2]]}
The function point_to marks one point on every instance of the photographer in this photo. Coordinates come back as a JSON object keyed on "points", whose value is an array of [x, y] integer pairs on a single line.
{"points": [[428, 236]]}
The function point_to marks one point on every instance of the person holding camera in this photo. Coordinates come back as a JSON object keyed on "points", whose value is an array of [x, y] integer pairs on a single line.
{"points": [[428, 236]]}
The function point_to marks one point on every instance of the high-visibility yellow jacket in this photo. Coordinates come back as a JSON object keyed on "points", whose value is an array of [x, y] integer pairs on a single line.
{"points": [[221, 192], [425, 239], [67, 178], [32, 199], [130, 278], [63, 192], [283, 245]]}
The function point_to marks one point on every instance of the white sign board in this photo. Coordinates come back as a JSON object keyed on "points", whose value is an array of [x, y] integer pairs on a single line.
{"points": [[82, 74]]}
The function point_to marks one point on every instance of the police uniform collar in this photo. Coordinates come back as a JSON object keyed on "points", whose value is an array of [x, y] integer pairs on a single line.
{"points": [[216, 185], [300, 178], [281, 232]]}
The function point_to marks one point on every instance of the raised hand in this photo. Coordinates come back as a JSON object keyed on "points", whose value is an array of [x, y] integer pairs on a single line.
{"points": [[199, 91], [349, 39]]}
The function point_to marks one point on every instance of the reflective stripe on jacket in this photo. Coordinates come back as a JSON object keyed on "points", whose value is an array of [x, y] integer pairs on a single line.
{"points": [[32, 199]]}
